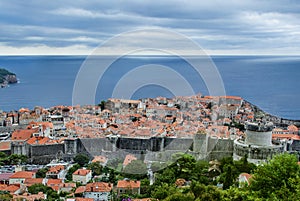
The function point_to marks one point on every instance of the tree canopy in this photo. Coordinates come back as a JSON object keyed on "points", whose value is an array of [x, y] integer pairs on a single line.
{"points": [[279, 178], [81, 159]]}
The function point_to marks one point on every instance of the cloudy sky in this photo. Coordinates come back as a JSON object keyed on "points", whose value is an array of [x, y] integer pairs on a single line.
{"points": [[219, 27]]}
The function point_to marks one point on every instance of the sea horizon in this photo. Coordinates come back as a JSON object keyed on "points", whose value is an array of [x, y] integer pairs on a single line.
{"points": [[233, 69]]}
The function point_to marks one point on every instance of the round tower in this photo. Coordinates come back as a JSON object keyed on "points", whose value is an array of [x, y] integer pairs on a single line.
{"points": [[257, 144]]}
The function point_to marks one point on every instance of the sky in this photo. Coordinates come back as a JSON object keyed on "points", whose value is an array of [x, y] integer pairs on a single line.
{"points": [[70, 27]]}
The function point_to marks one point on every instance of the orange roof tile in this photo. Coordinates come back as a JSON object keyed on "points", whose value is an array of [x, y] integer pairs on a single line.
{"points": [[128, 184], [45, 124], [53, 182], [32, 197], [12, 188], [101, 159], [56, 169], [98, 187], [286, 136], [128, 159], [84, 199], [232, 97], [80, 189], [22, 174], [3, 187], [293, 128], [38, 140], [82, 172], [67, 185], [23, 134], [31, 181], [5, 145]]}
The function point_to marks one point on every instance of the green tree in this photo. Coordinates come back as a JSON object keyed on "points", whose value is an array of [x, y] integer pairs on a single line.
{"points": [[278, 179], [113, 163], [81, 159], [229, 176], [51, 194], [95, 167], [200, 172], [167, 176], [3, 157], [226, 161], [41, 173], [197, 189], [238, 194], [244, 166], [162, 191], [178, 196], [5, 196], [13, 159], [145, 190], [71, 171], [136, 169], [36, 188], [186, 165]]}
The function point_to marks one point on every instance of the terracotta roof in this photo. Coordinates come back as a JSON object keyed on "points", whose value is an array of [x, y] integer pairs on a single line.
{"points": [[128, 159], [45, 124], [80, 189], [232, 97], [38, 140], [246, 176], [286, 136], [22, 174], [5, 145], [54, 181], [84, 199], [24, 110], [67, 185], [128, 184], [82, 172], [56, 169], [3, 187], [23, 134], [101, 159], [31, 181], [293, 128], [12, 188], [28, 197], [98, 187]]}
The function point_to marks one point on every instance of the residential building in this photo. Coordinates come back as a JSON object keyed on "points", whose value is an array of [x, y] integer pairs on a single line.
{"points": [[244, 179], [99, 191], [19, 177], [56, 172], [128, 187], [82, 176]]}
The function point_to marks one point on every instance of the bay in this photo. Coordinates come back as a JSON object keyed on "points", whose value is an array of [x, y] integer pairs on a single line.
{"points": [[270, 82]]}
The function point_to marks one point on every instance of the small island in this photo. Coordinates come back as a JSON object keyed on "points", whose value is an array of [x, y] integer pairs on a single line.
{"points": [[7, 77]]}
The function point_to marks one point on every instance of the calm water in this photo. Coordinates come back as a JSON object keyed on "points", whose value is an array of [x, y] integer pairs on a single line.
{"points": [[270, 82]]}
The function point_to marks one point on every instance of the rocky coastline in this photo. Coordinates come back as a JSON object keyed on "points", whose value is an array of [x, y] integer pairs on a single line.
{"points": [[7, 77], [278, 121]]}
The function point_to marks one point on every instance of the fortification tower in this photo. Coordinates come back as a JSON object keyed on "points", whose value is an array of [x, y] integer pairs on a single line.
{"points": [[257, 144]]}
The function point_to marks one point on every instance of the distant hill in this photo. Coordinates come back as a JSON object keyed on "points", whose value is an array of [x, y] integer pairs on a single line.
{"points": [[7, 77]]}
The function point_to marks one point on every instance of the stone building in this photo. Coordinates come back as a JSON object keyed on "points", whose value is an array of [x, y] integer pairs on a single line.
{"points": [[257, 144]]}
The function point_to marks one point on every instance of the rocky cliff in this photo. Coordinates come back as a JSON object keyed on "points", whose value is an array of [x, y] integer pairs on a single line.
{"points": [[7, 77]]}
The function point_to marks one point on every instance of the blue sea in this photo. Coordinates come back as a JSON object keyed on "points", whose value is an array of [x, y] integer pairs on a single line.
{"points": [[270, 82]]}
